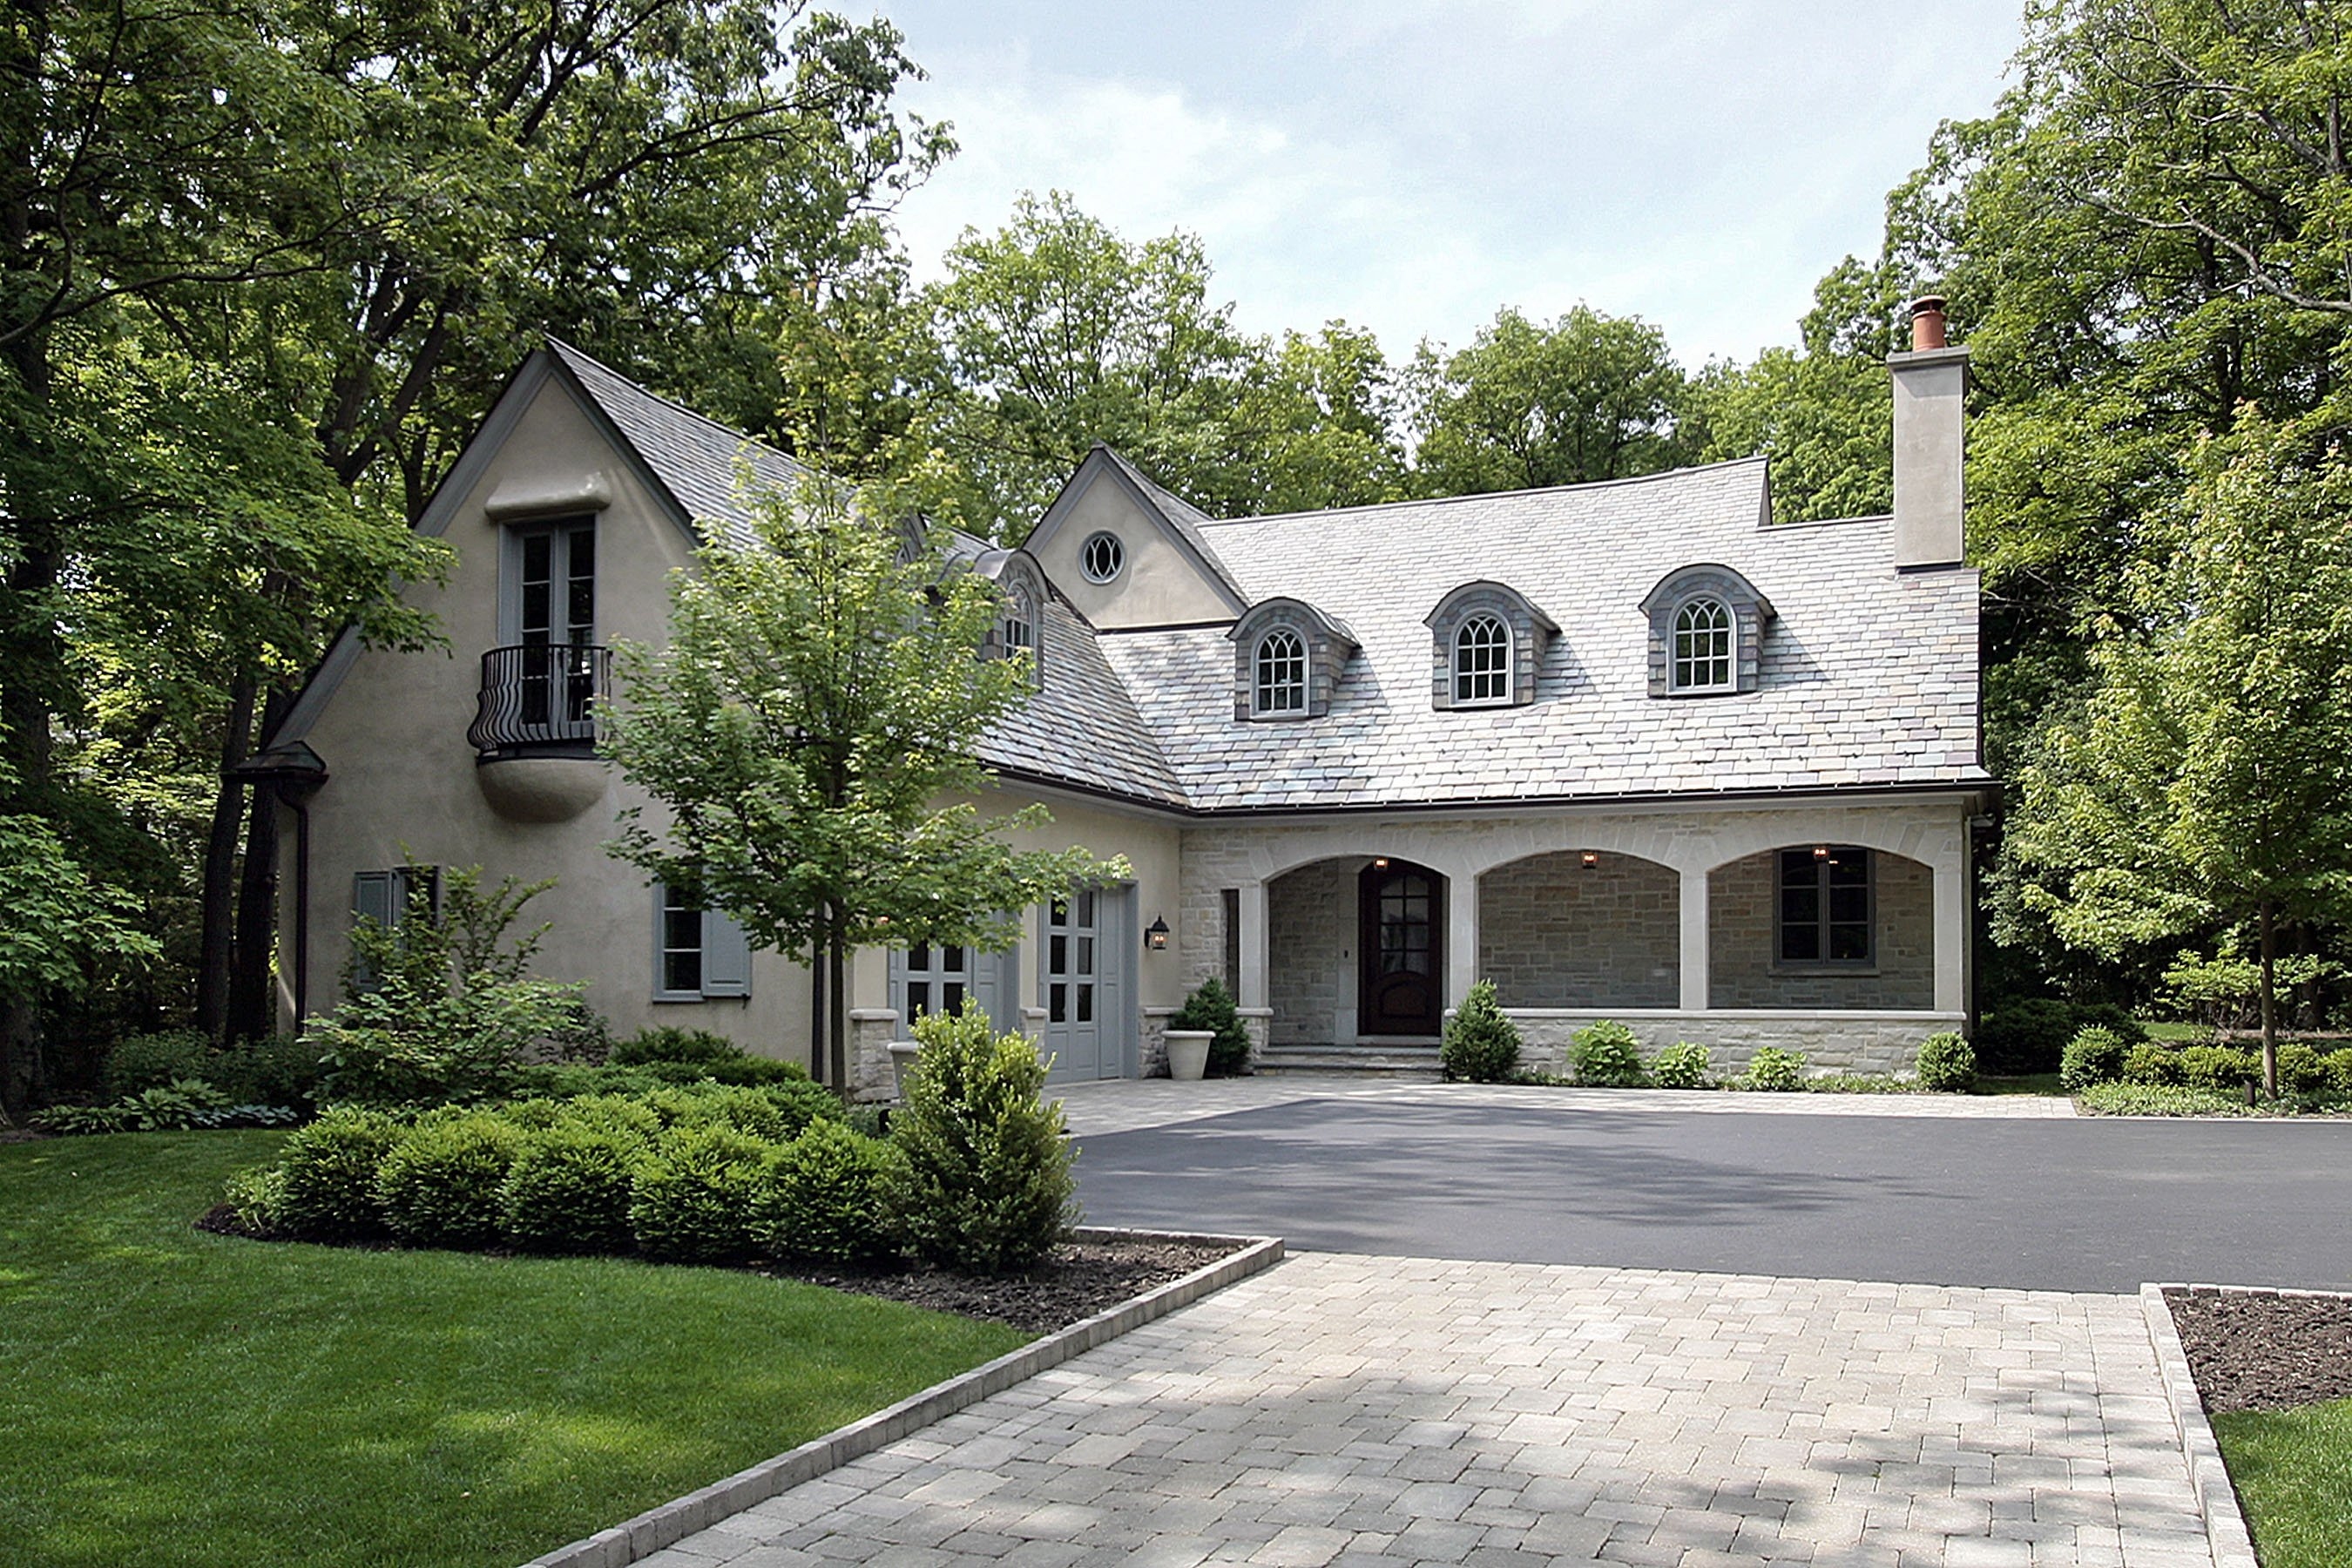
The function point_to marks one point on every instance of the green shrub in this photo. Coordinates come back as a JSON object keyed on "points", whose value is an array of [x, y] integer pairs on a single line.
{"points": [[1480, 1046], [83, 1121], [756, 1072], [2219, 1067], [984, 1182], [2095, 1055], [1681, 1066], [627, 1117], [2339, 1071], [1606, 1056], [569, 1188], [774, 1114], [2157, 1099], [663, 1043], [691, 1201], [276, 1070], [2301, 1070], [823, 1197], [2025, 1035], [1862, 1083], [2107, 1016], [1774, 1070], [258, 1197], [328, 1173], [438, 1185], [150, 1062], [2150, 1063], [1212, 1007], [1948, 1064]]}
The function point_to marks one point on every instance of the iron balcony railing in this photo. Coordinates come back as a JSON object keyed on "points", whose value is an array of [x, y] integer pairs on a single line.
{"points": [[540, 700]]}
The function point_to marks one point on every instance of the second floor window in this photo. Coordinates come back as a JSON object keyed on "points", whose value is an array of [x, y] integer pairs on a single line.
{"points": [[1703, 647], [1482, 661], [1281, 674]]}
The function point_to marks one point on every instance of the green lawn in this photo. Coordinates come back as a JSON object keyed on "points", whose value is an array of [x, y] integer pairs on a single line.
{"points": [[171, 1398], [2030, 1083], [2294, 1474]]}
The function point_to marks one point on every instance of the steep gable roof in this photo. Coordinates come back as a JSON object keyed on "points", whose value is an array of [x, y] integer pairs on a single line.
{"points": [[1183, 522]]}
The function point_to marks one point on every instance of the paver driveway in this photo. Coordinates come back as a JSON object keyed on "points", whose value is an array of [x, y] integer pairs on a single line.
{"points": [[1347, 1409]]}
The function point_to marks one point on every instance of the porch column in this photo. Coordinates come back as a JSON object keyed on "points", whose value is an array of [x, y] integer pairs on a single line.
{"points": [[1254, 942], [1694, 940], [1952, 929], [1460, 938]]}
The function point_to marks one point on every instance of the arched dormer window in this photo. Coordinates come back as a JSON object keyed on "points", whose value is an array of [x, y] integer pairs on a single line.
{"points": [[1288, 658], [1021, 607], [1706, 632], [1487, 643]]}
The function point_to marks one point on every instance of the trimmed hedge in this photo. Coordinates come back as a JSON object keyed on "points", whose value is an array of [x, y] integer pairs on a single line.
{"points": [[691, 1199], [822, 1195], [569, 1188], [327, 1175], [1948, 1064], [2095, 1055], [438, 1185]]}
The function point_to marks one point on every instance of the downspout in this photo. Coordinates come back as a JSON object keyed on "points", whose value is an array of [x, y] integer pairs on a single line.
{"points": [[301, 810]]}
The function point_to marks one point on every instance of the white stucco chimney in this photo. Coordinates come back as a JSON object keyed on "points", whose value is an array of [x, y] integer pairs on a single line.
{"points": [[1931, 383]]}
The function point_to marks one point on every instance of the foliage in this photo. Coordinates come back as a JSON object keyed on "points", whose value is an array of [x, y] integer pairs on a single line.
{"points": [[1948, 1064], [1862, 1083], [2302, 1070], [2225, 993], [2150, 1063], [143, 1061], [983, 1183], [2339, 1071], [256, 1197], [453, 1009], [1481, 1045], [2095, 1055], [691, 1201], [774, 1113], [1682, 1065], [569, 1186], [569, 1081], [2158, 1100], [823, 1197], [276, 1069], [668, 1044], [1605, 1055], [2219, 1068], [439, 1183], [2025, 1035], [327, 1175], [1773, 1069], [811, 726], [1212, 1007]]}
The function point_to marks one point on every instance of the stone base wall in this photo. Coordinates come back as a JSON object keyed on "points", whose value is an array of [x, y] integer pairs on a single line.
{"points": [[871, 1076], [1553, 933], [1311, 918], [1154, 1054], [1741, 936], [1833, 1042]]}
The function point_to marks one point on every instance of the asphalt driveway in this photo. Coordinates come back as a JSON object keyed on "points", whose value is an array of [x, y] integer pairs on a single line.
{"points": [[2092, 1204]]}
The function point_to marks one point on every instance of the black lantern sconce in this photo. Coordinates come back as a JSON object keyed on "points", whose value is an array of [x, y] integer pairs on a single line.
{"points": [[1155, 935]]}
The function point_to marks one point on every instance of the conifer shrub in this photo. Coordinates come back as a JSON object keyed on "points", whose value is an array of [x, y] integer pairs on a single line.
{"points": [[691, 1201], [569, 1188], [1212, 1007], [1947, 1063], [2095, 1055], [1605, 1055], [823, 1197], [983, 1183], [327, 1175], [1481, 1045], [1682, 1065], [1774, 1070], [439, 1183]]}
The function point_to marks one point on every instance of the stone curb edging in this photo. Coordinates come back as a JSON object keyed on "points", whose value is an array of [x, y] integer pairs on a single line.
{"points": [[656, 1528], [2217, 1499]]}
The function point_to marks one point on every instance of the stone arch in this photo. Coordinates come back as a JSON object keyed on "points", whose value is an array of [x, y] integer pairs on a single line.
{"points": [[1747, 966], [1578, 928]]}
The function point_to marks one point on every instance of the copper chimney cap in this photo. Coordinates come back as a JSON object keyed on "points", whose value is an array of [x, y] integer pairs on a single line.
{"points": [[1927, 322]]}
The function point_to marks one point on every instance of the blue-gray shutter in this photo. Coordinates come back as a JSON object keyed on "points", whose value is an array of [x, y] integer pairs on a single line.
{"points": [[1114, 1006], [996, 986], [726, 957], [376, 896]]}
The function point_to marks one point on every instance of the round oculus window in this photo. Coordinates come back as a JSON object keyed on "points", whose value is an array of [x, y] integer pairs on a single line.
{"points": [[1102, 556]]}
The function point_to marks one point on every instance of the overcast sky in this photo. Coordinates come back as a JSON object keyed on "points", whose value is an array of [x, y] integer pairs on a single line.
{"points": [[1413, 164]]}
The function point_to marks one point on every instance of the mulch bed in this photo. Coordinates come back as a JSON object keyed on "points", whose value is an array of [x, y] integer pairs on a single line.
{"points": [[1077, 1279], [2259, 1350]]}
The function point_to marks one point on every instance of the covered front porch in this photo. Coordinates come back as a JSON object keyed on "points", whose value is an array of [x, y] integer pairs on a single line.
{"points": [[1840, 932]]}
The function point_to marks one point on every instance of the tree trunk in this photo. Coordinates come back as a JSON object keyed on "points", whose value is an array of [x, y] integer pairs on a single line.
{"points": [[2269, 1000], [837, 965], [816, 1008], [216, 905], [24, 1071], [251, 1014]]}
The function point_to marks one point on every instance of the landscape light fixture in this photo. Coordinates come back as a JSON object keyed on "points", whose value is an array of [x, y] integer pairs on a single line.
{"points": [[1155, 935]]}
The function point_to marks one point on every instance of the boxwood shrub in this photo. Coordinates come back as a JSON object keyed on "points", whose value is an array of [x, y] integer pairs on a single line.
{"points": [[569, 1188], [439, 1183], [2150, 1063], [1948, 1064], [691, 1201], [1680, 1065], [2339, 1071], [327, 1175], [2302, 1070], [1605, 1055], [2220, 1069], [822, 1195], [2095, 1055]]}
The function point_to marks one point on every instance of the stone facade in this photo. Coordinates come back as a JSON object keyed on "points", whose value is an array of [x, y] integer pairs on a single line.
{"points": [[1553, 933], [1742, 972], [871, 1075], [1311, 918], [1874, 1042]]}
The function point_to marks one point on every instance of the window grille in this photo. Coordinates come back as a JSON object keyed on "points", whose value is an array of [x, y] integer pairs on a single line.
{"points": [[1281, 674], [1482, 661], [1102, 556], [1703, 647]]}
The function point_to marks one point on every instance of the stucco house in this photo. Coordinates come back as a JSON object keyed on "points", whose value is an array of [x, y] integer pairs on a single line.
{"points": [[1632, 750]]}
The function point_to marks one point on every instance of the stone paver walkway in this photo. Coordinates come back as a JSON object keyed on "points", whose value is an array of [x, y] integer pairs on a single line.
{"points": [[1125, 1105], [1355, 1410]]}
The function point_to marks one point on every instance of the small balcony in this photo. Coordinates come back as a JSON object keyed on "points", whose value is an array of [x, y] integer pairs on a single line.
{"points": [[541, 700]]}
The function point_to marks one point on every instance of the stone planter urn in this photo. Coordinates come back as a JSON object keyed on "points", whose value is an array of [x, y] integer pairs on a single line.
{"points": [[902, 1061], [1187, 1053]]}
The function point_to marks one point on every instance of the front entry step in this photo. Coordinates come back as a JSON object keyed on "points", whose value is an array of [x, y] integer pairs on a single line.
{"points": [[1387, 1060]]}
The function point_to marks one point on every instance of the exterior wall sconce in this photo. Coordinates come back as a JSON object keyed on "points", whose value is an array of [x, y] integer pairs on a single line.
{"points": [[1155, 935], [1591, 860], [1380, 862], [1821, 851]]}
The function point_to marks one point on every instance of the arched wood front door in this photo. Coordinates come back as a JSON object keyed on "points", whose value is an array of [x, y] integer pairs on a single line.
{"points": [[1401, 933]]}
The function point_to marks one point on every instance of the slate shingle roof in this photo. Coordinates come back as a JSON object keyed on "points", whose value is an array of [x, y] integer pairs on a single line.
{"points": [[1869, 676]]}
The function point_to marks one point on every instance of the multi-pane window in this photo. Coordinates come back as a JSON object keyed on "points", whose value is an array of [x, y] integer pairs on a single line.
{"points": [[938, 978], [555, 609], [1825, 906], [1017, 635], [681, 942], [1070, 973], [1408, 919], [1281, 673], [1482, 661], [699, 953], [1703, 630]]}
